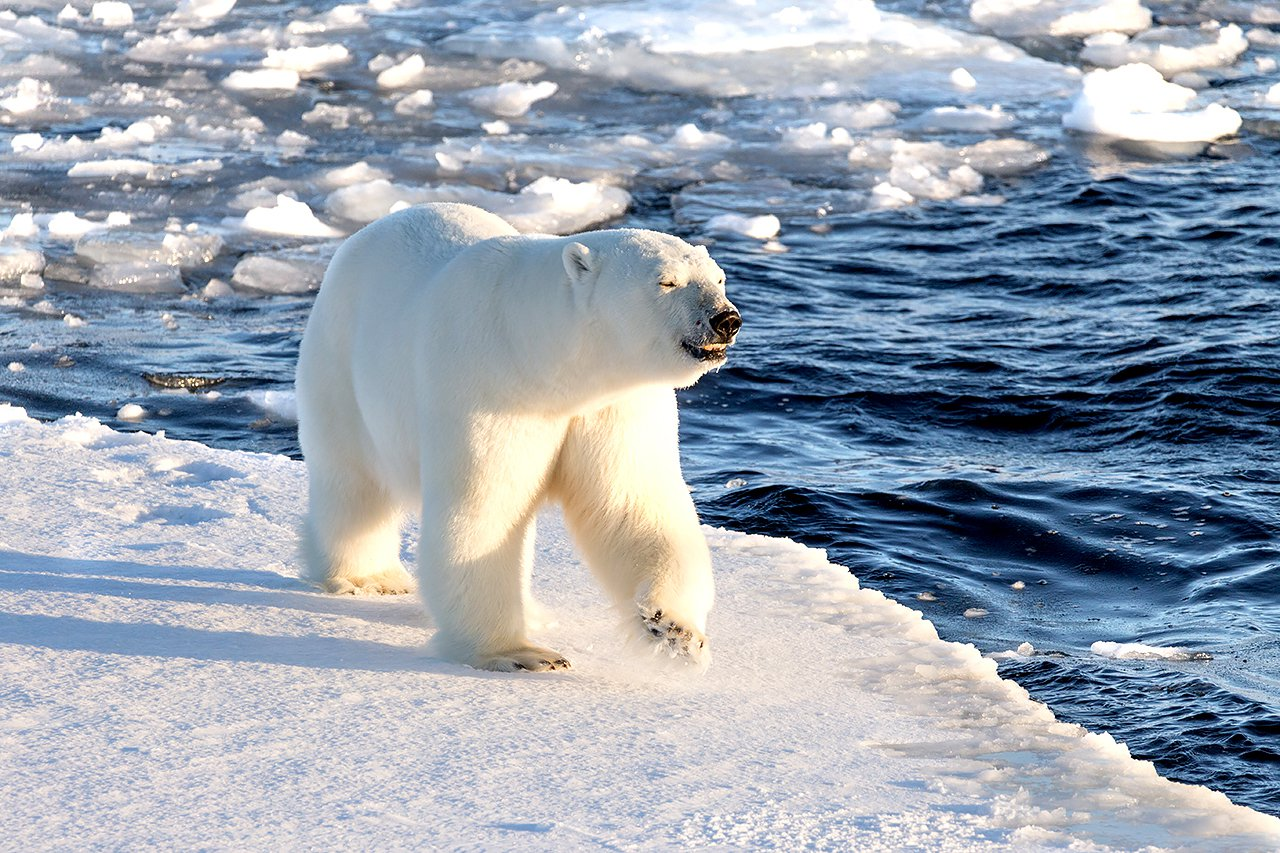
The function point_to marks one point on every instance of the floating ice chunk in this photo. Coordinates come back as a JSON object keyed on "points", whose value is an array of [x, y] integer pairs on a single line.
{"points": [[498, 127], [886, 195], [185, 250], [16, 367], [1139, 651], [691, 136], [21, 226], [262, 80], [279, 273], [1024, 650], [131, 412], [1169, 50], [1273, 94], [1263, 38], [975, 613], [931, 180], [757, 227], [448, 162], [876, 113], [296, 142], [967, 119], [282, 405], [411, 72], [200, 13], [1136, 102], [128, 166], [510, 99], [336, 116], [137, 277], [415, 103], [1059, 17], [548, 205], [216, 289], [814, 137], [68, 15], [71, 321], [66, 225], [112, 13], [24, 142], [963, 80], [307, 59], [356, 173], [28, 96], [289, 217], [16, 262], [344, 17], [932, 170]]}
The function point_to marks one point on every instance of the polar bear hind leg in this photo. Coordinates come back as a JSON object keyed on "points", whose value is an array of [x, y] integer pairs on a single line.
{"points": [[351, 543]]}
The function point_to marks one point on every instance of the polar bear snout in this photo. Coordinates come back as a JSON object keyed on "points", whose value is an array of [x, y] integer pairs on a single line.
{"points": [[726, 324]]}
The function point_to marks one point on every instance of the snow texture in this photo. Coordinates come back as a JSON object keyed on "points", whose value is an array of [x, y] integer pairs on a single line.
{"points": [[169, 682]]}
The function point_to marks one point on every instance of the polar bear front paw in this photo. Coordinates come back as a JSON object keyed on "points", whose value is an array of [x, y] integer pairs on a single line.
{"points": [[672, 637], [525, 659]]}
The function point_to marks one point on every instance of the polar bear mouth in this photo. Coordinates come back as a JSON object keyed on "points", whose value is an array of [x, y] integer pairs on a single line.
{"points": [[705, 352]]}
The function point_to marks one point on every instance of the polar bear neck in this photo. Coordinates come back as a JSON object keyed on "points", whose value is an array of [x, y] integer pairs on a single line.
{"points": [[522, 329]]}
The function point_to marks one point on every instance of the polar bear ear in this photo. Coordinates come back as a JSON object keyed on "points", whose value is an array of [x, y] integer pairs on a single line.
{"points": [[578, 262]]}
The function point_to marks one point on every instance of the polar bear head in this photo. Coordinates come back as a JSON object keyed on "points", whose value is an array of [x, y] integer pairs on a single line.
{"points": [[656, 302]]}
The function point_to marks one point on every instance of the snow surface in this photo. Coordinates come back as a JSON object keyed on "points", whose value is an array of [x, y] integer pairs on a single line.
{"points": [[169, 682]]}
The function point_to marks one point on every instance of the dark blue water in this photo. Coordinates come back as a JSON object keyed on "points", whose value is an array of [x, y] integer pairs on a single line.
{"points": [[1079, 390], [1076, 391]]}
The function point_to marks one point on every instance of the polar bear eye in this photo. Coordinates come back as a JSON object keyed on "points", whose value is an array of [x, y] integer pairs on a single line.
{"points": [[668, 284]]}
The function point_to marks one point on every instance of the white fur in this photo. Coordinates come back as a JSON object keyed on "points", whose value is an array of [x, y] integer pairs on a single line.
{"points": [[455, 368]]}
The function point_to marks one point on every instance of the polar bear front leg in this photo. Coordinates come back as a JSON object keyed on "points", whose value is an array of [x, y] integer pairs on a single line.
{"points": [[628, 508]]}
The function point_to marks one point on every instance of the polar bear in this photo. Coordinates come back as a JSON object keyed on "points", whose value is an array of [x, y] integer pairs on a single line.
{"points": [[456, 368]]}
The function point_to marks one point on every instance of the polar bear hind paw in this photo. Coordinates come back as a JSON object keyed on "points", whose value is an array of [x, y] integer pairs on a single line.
{"points": [[395, 581], [672, 637], [526, 659]]}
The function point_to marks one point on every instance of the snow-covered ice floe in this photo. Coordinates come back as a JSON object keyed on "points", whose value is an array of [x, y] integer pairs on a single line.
{"points": [[1059, 17], [170, 682], [765, 47]]}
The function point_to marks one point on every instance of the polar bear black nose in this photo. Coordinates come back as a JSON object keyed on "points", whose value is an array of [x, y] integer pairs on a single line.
{"points": [[727, 323]]}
